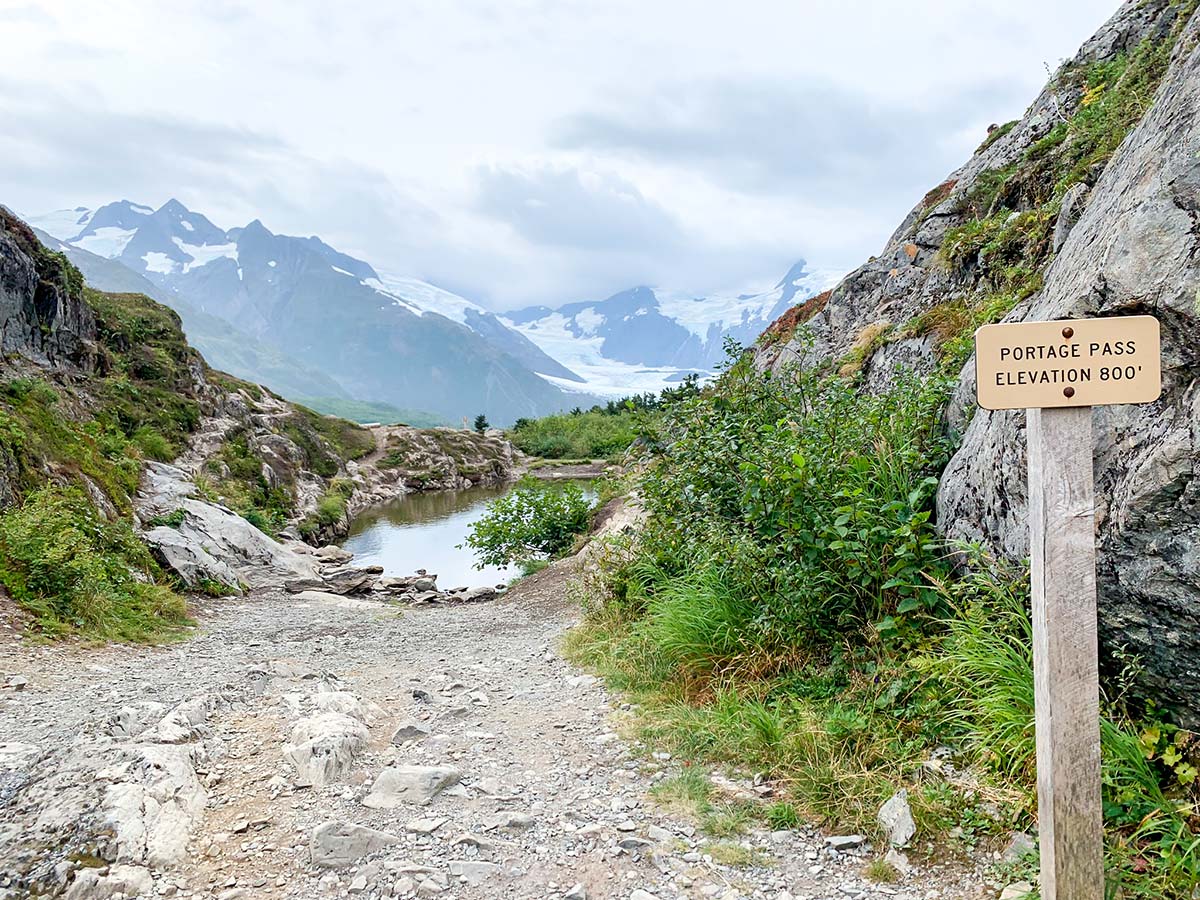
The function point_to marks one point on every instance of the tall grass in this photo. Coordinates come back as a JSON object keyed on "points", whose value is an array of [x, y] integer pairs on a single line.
{"points": [[79, 574]]}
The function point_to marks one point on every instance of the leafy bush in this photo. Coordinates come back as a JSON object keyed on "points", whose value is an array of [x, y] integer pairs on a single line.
{"points": [[77, 573], [153, 444], [602, 432], [810, 499], [589, 435], [537, 519]]}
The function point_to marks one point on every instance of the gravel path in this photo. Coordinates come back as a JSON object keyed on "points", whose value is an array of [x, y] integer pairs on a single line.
{"points": [[530, 793]]}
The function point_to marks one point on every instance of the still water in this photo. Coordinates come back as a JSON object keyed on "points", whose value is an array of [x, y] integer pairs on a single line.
{"points": [[423, 531]]}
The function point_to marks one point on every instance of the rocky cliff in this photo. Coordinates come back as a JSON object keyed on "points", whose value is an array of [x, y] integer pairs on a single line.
{"points": [[1086, 206], [42, 315]]}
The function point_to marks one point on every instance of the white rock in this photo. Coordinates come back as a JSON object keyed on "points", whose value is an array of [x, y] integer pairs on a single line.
{"points": [[473, 872], [347, 704], [895, 817], [322, 747], [212, 541], [130, 721], [89, 884], [424, 826], [152, 816], [898, 861]]}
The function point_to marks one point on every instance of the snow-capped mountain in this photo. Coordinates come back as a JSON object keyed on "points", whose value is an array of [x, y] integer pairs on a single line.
{"points": [[397, 339], [394, 339], [644, 339]]}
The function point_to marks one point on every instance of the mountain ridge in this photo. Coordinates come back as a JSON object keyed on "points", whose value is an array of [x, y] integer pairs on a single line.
{"points": [[280, 290]]}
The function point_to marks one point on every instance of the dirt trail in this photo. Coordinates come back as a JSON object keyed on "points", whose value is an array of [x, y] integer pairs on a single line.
{"points": [[544, 799]]}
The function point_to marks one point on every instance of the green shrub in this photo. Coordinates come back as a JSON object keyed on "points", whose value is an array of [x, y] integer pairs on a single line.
{"points": [[153, 444], [589, 435], [330, 508], [172, 519], [811, 499], [535, 520], [77, 573]]}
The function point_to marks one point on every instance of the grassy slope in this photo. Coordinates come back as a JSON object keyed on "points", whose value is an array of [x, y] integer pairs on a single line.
{"points": [[76, 444]]}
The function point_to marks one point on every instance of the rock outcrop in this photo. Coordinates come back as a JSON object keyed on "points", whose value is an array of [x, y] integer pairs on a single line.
{"points": [[1122, 239], [41, 314], [207, 542]]}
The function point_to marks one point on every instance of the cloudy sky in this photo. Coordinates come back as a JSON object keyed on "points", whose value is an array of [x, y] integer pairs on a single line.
{"points": [[525, 151]]}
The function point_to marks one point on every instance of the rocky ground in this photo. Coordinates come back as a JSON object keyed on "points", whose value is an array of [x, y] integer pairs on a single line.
{"points": [[317, 745]]}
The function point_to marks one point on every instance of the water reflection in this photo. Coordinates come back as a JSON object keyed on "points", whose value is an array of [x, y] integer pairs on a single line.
{"points": [[422, 531]]}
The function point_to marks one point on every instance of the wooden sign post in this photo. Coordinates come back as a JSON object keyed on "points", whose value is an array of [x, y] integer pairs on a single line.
{"points": [[1057, 371]]}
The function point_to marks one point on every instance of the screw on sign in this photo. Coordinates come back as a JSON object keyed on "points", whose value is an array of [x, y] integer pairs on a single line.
{"points": [[1057, 371]]}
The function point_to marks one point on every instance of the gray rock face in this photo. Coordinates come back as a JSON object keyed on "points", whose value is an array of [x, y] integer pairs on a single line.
{"points": [[189, 559], [337, 844], [213, 543], [1134, 250], [42, 316], [1126, 245]]}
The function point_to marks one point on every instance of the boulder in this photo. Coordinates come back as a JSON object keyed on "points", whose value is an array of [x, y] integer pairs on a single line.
{"points": [[211, 538], [337, 844], [409, 731], [474, 872], [323, 747], [348, 581], [414, 785], [190, 560], [299, 585], [130, 721], [347, 704], [152, 817], [97, 884], [895, 818], [333, 554]]}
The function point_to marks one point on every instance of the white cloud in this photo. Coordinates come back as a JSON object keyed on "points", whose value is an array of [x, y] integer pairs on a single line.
{"points": [[526, 150]]}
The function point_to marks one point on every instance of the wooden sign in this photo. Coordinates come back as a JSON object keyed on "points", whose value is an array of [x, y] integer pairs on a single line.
{"points": [[1077, 362]]}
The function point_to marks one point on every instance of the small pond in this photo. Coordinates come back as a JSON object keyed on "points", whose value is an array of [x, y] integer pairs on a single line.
{"points": [[423, 531]]}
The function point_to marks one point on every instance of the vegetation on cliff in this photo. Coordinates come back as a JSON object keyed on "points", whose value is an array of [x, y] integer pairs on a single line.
{"points": [[790, 608], [73, 450], [77, 428]]}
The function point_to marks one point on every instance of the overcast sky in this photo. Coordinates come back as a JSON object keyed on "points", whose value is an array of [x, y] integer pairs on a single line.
{"points": [[525, 151]]}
